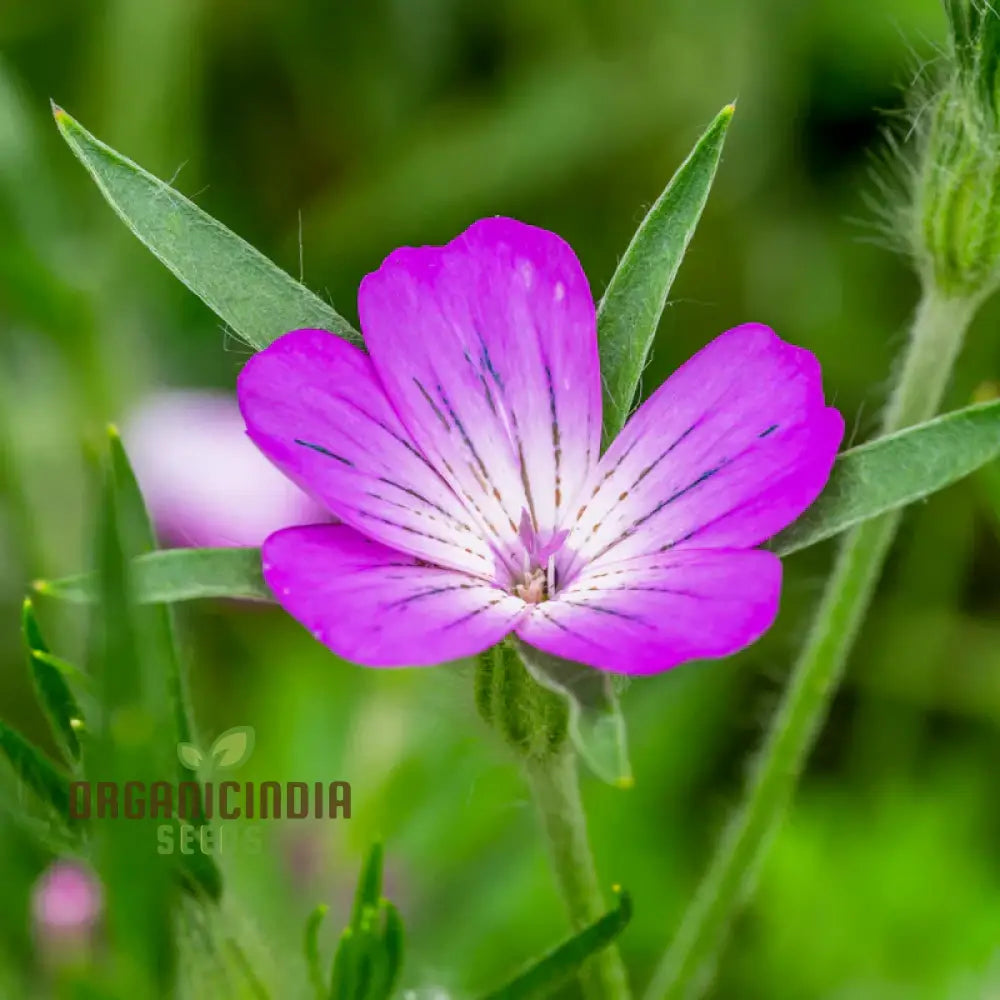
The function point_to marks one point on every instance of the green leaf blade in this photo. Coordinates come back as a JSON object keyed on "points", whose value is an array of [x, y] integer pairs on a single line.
{"points": [[633, 302], [57, 700], [393, 938], [126, 744], [561, 964], [149, 653], [369, 888], [896, 470], [172, 575], [311, 947], [36, 771], [252, 295]]}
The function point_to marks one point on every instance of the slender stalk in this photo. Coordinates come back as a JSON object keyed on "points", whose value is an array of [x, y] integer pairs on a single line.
{"points": [[556, 790], [689, 964]]}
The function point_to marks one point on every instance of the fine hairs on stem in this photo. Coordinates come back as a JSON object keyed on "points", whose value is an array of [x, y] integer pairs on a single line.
{"points": [[688, 966], [950, 228], [556, 789]]}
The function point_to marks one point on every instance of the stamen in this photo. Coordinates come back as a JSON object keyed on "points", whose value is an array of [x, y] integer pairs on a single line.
{"points": [[532, 589]]}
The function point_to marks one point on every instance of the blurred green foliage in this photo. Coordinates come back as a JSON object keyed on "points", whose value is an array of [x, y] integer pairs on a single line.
{"points": [[327, 135]]}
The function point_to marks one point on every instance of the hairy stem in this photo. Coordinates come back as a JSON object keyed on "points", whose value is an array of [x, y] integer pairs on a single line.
{"points": [[689, 964], [556, 790]]}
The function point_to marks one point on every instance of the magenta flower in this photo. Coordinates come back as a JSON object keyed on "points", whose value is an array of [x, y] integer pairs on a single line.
{"points": [[462, 456]]}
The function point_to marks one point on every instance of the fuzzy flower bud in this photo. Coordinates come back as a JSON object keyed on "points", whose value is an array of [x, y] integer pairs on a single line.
{"points": [[531, 719], [955, 221]]}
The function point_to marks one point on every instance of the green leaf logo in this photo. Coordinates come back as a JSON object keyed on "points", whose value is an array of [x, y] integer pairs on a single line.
{"points": [[233, 747], [190, 756]]}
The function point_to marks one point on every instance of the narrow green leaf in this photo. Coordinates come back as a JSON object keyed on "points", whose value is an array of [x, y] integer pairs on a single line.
{"points": [[57, 836], [313, 960], [368, 956], [383, 953], [163, 692], [369, 888], [369, 953], [343, 980], [36, 771], [392, 947], [158, 639], [67, 669], [633, 302], [253, 296], [596, 724], [126, 744], [896, 470], [172, 575], [559, 966], [54, 695]]}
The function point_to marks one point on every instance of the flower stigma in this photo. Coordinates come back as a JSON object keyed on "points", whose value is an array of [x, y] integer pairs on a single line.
{"points": [[537, 584]]}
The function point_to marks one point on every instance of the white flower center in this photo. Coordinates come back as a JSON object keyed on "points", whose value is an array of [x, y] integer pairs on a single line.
{"points": [[533, 588], [537, 583]]}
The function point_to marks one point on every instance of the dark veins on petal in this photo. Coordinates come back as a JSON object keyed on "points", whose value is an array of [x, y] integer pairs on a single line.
{"points": [[556, 441], [408, 528], [449, 517], [324, 451], [613, 612], [663, 454], [640, 521], [449, 418], [432, 404], [431, 592], [704, 477], [472, 614], [563, 627]]}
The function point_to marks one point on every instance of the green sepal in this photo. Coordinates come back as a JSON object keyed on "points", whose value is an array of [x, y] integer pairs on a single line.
{"points": [[595, 722], [531, 718]]}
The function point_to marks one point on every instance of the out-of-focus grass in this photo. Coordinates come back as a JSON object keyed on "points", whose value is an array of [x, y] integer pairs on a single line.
{"points": [[399, 122]]}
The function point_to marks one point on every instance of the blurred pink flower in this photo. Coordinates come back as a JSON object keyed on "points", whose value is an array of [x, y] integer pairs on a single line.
{"points": [[204, 482], [66, 900]]}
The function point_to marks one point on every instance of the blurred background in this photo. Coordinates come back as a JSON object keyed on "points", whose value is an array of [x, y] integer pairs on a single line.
{"points": [[328, 134]]}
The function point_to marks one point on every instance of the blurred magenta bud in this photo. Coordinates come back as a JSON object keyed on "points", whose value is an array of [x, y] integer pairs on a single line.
{"points": [[66, 902], [204, 481]]}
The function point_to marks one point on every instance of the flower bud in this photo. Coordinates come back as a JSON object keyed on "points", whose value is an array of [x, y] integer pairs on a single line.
{"points": [[955, 224], [66, 906], [532, 719]]}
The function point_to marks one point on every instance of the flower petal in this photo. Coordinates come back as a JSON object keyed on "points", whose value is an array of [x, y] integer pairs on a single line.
{"points": [[314, 406], [649, 613], [378, 607], [487, 348], [729, 450]]}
